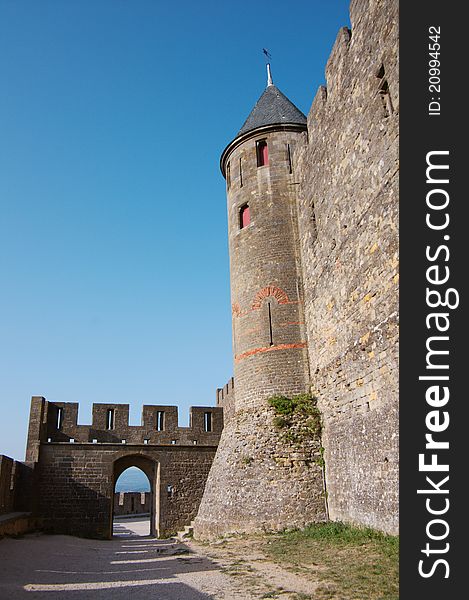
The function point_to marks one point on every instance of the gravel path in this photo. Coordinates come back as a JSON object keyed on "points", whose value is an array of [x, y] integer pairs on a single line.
{"points": [[137, 567], [62, 567]]}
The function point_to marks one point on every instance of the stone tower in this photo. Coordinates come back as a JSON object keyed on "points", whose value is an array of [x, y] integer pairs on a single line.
{"points": [[257, 481], [266, 288]]}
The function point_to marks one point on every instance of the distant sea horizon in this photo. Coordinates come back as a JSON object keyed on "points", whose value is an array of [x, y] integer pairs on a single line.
{"points": [[133, 480]]}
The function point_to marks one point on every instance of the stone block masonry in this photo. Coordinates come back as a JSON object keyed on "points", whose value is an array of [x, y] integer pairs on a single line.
{"points": [[348, 221], [131, 503], [6, 488], [77, 466], [312, 218], [259, 481], [76, 485], [225, 398], [52, 422], [314, 283], [16, 486]]}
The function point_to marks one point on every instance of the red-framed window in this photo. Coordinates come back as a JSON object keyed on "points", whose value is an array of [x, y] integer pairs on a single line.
{"points": [[244, 216]]}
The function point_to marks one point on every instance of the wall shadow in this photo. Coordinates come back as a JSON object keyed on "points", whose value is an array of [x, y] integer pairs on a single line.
{"points": [[105, 569]]}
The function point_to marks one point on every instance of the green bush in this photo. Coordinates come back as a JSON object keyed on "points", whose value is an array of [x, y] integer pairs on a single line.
{"points": [[282, 405]]}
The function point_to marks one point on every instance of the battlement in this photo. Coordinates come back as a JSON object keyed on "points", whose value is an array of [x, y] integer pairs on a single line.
{"points": [[132, 503], [57, 422], [226, 399]]}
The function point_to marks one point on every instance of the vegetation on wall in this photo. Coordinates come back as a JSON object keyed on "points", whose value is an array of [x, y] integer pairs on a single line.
{"points": [[297, 418]]}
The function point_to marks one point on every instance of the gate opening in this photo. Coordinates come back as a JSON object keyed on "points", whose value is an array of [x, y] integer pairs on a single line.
{"points": [[134, 505]]}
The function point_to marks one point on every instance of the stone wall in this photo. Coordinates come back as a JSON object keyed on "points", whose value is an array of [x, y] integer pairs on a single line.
{"points": [[18, 523], [57, 422], [324, 235], [6, 492], [76, 485], [131, 503], [78, 465], [16, 483], [16, 498], [322, 244], [348, 219], [269, 343], [260, 481], [24, 485], [225, 398]]}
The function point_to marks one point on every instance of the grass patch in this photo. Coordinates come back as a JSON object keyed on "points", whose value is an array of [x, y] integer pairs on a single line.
{"points": [[352, 563]]}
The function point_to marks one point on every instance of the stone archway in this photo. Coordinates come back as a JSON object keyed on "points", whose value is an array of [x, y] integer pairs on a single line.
{"points": [[78, 465], [151, 468]]}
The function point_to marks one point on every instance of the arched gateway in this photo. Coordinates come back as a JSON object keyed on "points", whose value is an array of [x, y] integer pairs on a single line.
{"points": [[151, 468], [76, 466]]}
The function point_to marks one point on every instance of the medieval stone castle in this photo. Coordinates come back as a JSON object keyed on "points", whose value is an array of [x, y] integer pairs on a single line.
{"points": [[312, 214]]}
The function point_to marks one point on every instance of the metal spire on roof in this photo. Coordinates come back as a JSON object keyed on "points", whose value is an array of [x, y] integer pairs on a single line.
{"points": [[269, 72]]}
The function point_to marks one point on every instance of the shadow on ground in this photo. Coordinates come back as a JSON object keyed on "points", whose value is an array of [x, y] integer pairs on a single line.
{"points": [[63, 567], [134, 527]]}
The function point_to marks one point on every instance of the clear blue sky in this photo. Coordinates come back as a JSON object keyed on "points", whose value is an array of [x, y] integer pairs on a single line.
{"points": [[133, 480], [113, 238]]}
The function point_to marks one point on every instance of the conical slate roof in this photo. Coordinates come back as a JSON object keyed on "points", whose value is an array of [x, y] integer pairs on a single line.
{"points": [[272, 108]]}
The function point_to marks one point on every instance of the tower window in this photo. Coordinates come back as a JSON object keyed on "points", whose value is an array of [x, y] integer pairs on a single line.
{"points": [[262, 153], [383, 92], [110, 418], [240, 172], [271, 338], [208, 421], [244, 216], [160, 420], [228, 175]]}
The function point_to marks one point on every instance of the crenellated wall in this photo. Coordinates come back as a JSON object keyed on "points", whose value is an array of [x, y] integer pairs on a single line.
{"points": [[132, 503], [225, 399], [348, 220], [52, 422], [317, 308], [333, 263], [77, 466]]}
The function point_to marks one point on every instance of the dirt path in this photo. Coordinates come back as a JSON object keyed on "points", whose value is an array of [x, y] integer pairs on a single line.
{"points": [[242, 558], [55, 567]]}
